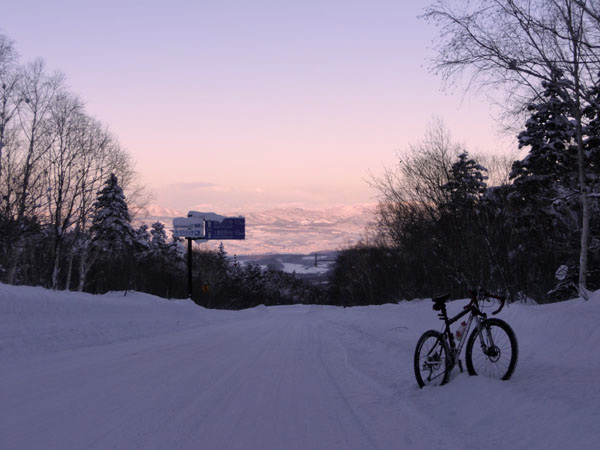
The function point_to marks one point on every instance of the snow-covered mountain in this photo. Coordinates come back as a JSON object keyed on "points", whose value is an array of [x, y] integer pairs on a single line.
{"points": [[287, 230], [156, 211]]}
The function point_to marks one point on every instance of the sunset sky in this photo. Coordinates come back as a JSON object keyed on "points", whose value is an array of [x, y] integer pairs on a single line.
{"points": [[244, 105]]}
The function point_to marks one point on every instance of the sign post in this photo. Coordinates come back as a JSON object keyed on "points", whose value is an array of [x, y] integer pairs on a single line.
{"points": [[189, 265], [201, 226]]}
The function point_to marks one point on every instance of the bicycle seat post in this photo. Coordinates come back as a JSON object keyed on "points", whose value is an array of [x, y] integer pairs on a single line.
{"points": [[440, 306]]}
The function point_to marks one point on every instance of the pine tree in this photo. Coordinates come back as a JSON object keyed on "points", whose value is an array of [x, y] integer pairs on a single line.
{"points": [[142, 238], [158, 239], [466, 183], [460, 233], [550, 168], [544, 199], [221, 252], [111, 227], [113, 239], [592, 141]]}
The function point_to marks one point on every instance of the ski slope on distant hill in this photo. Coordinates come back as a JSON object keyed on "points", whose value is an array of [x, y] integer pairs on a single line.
{"points": [[138, 372]]}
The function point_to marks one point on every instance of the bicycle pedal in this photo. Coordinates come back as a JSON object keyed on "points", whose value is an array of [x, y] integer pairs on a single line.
{"points": [[460, 366]]}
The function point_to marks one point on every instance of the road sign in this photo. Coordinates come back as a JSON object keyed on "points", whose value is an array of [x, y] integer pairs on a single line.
{"points": [[189, 232], [207, 226], [188, 227], [228, 228]]}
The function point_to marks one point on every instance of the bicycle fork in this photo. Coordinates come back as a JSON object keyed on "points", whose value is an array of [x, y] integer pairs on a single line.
{"points": [[489, 349]]}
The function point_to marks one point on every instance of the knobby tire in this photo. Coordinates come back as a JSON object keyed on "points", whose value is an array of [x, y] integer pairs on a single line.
{"points": [[432, 360], [501, 358]]}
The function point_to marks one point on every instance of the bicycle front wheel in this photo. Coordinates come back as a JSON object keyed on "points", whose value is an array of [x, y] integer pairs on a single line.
{"points": [[432, 360], [494, 351]]}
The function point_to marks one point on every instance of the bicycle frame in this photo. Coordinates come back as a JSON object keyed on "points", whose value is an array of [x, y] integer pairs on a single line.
{"points": [[456, 347]]}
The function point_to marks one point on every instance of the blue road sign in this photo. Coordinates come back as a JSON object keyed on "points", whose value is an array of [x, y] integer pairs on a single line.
{"points": [[228, 228]]}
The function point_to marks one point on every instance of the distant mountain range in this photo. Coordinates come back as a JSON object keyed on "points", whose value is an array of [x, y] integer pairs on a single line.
{"points": [[286, 230]]}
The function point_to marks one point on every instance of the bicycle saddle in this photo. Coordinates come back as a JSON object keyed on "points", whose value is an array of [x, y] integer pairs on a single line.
{"points": [[440, 300]]}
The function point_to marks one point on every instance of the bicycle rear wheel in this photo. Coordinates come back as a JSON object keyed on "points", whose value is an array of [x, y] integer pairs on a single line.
{"points": [[432, 360], [497, 353]]}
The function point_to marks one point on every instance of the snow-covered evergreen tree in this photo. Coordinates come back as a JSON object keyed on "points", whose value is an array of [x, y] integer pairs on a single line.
{"points": [[592, 141], [550, 167], [221, 252], [142, 237], [158, 238], [111, 226], [545, 199], [466, 182], [460, 235]]}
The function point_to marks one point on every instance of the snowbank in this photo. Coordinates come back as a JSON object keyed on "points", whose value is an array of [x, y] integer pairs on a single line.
{"points": [[35, 320]]}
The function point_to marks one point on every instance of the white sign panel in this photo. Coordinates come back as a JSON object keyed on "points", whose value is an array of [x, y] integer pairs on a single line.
{"points": [[188, 232], [208, 225]]}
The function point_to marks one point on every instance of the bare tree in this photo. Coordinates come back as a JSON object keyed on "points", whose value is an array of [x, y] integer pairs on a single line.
{"points": [[517, 44], [68, 126], [53, 160], [101, 156], [414, 187], [9, 99], [499, 167], [39, 92], [591, 7]]}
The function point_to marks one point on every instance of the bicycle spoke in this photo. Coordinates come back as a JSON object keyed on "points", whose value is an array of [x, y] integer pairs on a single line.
{"points": [[493, 352], [430, 378], [431, 360]]}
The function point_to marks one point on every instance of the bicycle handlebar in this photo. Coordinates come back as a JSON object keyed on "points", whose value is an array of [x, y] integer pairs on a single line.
{"points": [[474, 298], [502, 299]]}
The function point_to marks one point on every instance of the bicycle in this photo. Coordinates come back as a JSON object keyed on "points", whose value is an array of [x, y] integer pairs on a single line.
{"points": [[437, 353]]}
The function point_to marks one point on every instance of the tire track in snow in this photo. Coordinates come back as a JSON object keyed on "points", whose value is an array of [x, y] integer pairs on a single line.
{"points": [[195, 411], [413, 425], [333, 381]]}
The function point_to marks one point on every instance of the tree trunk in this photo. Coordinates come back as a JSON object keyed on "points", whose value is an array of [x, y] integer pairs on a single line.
{"points": [[87, 260], [585, 202], [83, 268], [585, 219], [69, 271], [56, 268], [15, 254], [12, 268]]}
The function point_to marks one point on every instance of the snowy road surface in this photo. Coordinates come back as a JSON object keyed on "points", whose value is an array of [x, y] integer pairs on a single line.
{"points": [[293, 377]]}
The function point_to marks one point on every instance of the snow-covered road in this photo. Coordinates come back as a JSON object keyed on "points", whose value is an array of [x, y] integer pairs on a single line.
{"points": [[294, 377], [277, 381]]}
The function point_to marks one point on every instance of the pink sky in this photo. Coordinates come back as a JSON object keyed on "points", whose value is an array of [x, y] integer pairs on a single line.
{"points": [[243, 105]]}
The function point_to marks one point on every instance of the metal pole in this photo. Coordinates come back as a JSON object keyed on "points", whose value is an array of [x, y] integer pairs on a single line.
{"points": [[189, 261]]}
